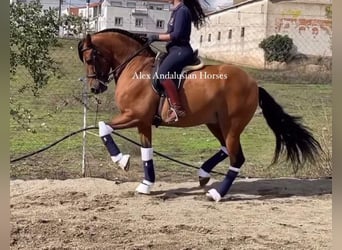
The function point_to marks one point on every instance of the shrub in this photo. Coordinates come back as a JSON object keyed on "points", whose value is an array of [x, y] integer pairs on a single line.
{"points": [[277, 48]]}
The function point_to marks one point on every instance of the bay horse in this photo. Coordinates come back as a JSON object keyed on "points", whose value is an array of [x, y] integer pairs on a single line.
{"points": [[225, 101]]}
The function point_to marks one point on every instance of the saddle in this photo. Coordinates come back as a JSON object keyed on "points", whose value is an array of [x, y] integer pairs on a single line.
{"points": [[196, 64]]}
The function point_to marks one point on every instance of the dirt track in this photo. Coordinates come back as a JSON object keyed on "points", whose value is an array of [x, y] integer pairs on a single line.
{"points": [[99, 214]]}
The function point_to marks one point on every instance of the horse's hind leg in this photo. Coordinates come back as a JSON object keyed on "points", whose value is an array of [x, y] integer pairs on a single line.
{"points": [[236, 161], [208, 165], [146, 185]]}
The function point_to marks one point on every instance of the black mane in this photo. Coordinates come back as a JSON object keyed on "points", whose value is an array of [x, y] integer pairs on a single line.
{"points": [[140, 38]]}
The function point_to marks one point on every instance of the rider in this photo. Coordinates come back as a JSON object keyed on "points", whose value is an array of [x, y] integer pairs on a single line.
{"points": [[179, 50]]}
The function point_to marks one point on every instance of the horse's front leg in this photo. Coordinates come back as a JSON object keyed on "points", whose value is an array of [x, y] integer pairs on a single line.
{"points": [[145, 132], [120, 122]]}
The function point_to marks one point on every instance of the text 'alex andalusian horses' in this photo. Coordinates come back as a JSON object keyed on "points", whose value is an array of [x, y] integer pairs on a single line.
{"points": [[225, 100]]}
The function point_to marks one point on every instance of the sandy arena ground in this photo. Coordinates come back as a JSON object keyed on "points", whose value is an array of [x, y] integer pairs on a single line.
{"points": [[94, 213]]}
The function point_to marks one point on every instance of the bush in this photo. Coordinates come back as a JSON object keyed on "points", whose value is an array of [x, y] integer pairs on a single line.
{"points": [[277, 48]]}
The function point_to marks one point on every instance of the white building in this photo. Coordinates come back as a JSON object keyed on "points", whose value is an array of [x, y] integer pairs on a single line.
{"points": [[131, 15], [233, 34]]}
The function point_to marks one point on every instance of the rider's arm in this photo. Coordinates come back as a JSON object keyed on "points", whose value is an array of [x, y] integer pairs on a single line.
{"points": [[182, 26], [164, 37]]}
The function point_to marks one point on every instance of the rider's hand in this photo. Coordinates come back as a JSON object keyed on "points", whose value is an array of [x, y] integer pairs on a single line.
{"points": [[152, 37]]}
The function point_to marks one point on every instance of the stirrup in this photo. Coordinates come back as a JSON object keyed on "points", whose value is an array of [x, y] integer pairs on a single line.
{"points": [[174, 115]]}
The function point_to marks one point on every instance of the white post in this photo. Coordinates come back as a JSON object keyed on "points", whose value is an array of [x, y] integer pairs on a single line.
{"points": [[85, 102]]}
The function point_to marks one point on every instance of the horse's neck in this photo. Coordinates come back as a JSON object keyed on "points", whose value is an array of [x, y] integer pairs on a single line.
{"points": [[128, 48], [136, 75], [127, 56]]}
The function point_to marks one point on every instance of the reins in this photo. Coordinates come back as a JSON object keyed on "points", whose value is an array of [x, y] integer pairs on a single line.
{"points": [[114, 71]]}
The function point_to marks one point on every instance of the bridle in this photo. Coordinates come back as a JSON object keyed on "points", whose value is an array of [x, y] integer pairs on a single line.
{"points": [[97, 74], [115, 73]]}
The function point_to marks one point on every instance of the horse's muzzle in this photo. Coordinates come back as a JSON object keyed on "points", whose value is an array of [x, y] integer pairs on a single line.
{"points": [[102, 88]]}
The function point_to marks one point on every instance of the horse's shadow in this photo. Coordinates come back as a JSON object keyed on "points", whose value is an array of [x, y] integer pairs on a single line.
{"points": [[256, 189]]}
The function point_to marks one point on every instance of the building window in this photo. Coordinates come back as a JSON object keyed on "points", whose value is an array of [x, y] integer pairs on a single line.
{"points": [[138, 22], [160, 24], [116, 3], [219, 36], [118, 21], [209, 37], [201, 38], [131, 4], [243, 32], [230, 34]]}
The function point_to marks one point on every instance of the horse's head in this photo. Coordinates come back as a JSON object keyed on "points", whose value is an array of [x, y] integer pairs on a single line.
{"points": [[97, 65]]}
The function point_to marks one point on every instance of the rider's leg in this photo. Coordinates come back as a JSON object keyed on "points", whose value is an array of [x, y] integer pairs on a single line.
{"points": [[173, 63]]}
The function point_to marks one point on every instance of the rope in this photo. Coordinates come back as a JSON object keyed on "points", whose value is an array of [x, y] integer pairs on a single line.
{"points": [[51, 145], [115, 133]]}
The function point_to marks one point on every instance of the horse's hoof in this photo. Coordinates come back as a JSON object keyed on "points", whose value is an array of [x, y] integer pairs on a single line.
{"points": [[203, 177], [144, 187], [203, 180], [213, 195], [124, 162]]}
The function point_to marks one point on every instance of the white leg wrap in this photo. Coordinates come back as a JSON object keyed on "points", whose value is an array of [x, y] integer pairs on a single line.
{"points": [[146, 154], [104, 129], [224, 149], [203, 173], [144, 187], [214, 195], [234, 169]]}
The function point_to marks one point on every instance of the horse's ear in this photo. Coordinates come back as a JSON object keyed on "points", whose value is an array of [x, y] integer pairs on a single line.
{"points": [[87, 41], [84, 43]]}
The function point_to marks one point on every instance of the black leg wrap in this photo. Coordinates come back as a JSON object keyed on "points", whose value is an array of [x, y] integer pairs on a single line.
{"points": [[149, 171], [227, 182], [111, 146], [213, 161]]}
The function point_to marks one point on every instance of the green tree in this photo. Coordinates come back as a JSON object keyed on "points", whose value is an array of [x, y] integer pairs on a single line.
{"points": [[73, 24], [32, 32], [277, 48]]}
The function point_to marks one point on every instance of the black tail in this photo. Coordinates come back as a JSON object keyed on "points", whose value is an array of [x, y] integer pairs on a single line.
{"points": [[291, 135]]}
